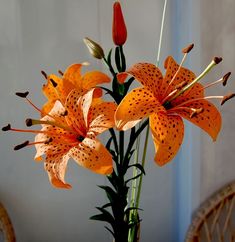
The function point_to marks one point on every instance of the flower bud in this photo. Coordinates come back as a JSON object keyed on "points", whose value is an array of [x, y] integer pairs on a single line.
{"points": [[119, 26], [94, 48]]}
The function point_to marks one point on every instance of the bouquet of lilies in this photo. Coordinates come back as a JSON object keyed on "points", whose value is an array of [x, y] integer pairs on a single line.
{"points": [[76, 113]]}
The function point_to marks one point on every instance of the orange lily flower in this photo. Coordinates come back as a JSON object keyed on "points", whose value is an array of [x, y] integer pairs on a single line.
{"points": [[69, 131], [58, 88], [154, 100]]}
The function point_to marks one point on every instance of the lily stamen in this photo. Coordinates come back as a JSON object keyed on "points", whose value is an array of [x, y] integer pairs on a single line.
{"points": [[213, 63], [177, 88], [185, 51], [27, 143], [44, 74], [24, 95], [224, 99], [224, 80], [193, 111], [29, 122], [8, 128], [60, 72]]}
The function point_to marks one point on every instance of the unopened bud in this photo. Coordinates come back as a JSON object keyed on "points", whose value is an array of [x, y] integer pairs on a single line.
{"points": [[119, 26], [94, 48]]}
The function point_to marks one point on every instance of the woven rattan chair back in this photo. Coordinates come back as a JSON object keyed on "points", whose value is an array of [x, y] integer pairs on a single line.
{"points": [[215, 219], [6, 226]]}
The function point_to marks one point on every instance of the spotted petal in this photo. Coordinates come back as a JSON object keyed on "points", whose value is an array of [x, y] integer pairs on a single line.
{"points": [[136, 105], [184, 75], [73, 75], [56, 165], [209, 119], [101, 117], [52, 93], [147, 74], [75, 113], [168, 133], [94, 78], [92, 155]]}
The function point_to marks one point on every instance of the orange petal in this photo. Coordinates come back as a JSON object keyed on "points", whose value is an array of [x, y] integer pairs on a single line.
{"points": [[73, 75], [147, 74], [196, 91], [92, 155], [168, 133], [56, 165], [47, 107], [61, 141], [101, 117], [136, 105], [209, 119], [59, 92], [171, 68], [75, 113], [93, 78]]}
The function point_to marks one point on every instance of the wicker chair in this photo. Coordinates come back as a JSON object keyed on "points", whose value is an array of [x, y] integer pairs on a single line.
{"points": [[215, 219], [6, 226]]}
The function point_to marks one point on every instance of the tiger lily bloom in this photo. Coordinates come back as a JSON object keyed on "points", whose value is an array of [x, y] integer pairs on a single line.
{"points": [[166, 100], [70, 131], [58, 88]]}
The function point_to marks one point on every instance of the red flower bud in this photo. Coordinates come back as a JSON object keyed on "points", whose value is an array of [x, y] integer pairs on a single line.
{"points": [[119, 26]]}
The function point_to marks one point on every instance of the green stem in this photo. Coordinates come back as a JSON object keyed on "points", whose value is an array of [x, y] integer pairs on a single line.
{"points": [[131, 231], [161, 33], [112, 132], [121, 146], [110, 67], [143, 164]]}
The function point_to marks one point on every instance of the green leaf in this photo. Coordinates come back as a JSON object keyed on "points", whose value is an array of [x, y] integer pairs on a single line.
{"points": [[133, 178], [107, 205], [139, 166], [101, 217], [109, 143], [109, 57], [110, 231], [111, 194]]}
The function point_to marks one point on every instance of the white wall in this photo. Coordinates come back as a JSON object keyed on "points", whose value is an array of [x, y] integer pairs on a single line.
{"points": [[47, 34]]}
